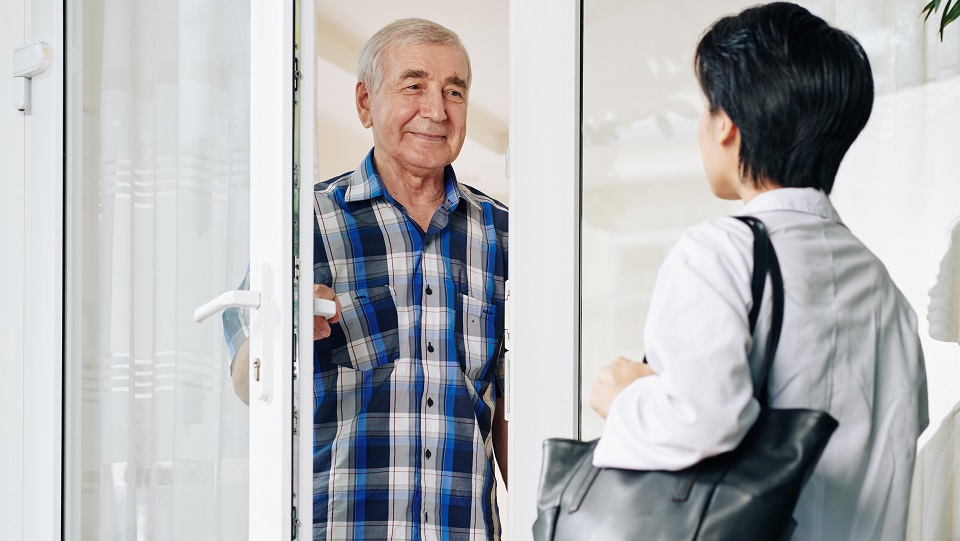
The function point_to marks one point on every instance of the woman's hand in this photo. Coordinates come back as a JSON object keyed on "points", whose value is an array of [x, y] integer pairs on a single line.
{"points": [[321, 325], [614, 378]]}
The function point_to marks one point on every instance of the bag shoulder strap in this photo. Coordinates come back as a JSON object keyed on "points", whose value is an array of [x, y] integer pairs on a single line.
{"points": [[765, 262]]}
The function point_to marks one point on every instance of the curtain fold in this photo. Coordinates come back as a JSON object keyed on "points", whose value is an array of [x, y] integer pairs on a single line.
{"points": [[904, 50], [164, 438]]}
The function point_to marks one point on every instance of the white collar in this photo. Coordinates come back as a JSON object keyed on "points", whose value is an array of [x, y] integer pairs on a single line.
{"points": [[805, 200]]}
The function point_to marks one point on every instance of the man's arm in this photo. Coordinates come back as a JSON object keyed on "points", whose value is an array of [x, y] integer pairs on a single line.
{"points": [[240, 372], [240, 369], [500, 440]]}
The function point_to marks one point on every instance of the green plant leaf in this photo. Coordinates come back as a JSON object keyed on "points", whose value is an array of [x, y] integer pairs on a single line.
{"points": [[953, 15], [947, 16], [943, 17]]}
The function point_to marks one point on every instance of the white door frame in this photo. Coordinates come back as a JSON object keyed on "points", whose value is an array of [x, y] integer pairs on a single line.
{"points": [[544, 168], [303, 441], [32, 295], [271, 243], [12, 168]]}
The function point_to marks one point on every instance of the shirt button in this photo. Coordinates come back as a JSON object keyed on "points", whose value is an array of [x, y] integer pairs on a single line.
{"points": [[430, 348], [429, 291], [428, 453], [429, 402]]}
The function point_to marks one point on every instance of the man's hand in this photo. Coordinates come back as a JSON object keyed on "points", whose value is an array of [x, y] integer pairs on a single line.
{"points": [[321, 326], [614, 378]]}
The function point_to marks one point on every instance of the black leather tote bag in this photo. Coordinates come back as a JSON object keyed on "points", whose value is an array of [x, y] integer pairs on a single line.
{"points": [[747, 494]]}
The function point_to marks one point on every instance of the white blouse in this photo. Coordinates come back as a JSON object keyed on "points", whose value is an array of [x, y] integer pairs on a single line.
{"points": [[849, 346]]}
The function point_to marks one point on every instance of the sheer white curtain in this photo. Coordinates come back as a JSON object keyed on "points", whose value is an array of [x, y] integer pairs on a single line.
{"points": [[904, 50], [163, 437]]}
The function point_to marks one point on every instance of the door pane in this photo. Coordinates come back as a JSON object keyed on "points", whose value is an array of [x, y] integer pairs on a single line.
{"points": [[161, 202], [643, 181]]}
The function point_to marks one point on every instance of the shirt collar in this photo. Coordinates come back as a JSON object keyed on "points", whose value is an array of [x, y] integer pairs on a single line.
{"points": [[805, 200], [365, 183]]}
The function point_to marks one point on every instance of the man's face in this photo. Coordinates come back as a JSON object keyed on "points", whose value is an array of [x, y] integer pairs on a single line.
{"points": [[419, 113]]}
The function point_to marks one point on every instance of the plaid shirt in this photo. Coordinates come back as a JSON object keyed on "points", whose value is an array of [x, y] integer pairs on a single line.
{"points": [[407, 383]]}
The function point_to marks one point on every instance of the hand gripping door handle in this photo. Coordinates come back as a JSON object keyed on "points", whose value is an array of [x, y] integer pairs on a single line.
{"points": [[324, 308], [257, 299], [251, 299], [260, 325]]}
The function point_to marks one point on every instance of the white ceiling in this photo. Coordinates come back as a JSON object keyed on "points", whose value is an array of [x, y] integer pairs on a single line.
{"points": [[638, 75]]}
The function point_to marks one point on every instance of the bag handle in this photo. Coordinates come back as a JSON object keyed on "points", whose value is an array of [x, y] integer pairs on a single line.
{"points": [[765, 262]]}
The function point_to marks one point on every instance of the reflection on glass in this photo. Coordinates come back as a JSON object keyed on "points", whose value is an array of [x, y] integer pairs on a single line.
{"points": [[161, 218], [643, 182]]}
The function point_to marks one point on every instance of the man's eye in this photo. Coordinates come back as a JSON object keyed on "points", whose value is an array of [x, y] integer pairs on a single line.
{"points": [[414, 87]]}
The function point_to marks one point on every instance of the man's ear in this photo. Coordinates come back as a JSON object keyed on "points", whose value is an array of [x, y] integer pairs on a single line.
{"points": [[363, 105]]}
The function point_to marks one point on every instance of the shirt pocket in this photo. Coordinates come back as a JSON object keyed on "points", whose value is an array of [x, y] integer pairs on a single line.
{"points": [[479, 325], [366, 337]]}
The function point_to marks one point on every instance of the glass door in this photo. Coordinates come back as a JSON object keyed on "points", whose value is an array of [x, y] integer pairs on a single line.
{"points": [[643, 182], [589, 234], [179, 188]]}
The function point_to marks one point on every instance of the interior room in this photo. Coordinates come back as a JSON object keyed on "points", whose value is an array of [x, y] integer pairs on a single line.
{"points": [[160, 162]]}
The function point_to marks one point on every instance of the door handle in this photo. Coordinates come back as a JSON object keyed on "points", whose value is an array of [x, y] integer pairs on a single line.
{"points": [[28, 61], [260, 325], [231, 299], [324, 308]]}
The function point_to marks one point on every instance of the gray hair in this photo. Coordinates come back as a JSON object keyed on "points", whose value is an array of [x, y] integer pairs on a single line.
{"points": [[400, 33]]}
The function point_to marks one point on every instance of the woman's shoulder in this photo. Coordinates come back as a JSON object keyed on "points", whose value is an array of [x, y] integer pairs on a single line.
{"points": [[722, 237], [719, 251]]}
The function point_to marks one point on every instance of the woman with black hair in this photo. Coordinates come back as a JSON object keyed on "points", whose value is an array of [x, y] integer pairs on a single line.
{"points": [[786, 95]]}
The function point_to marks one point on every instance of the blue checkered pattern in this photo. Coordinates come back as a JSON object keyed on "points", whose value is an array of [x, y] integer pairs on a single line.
{"points": [[407, 383]]}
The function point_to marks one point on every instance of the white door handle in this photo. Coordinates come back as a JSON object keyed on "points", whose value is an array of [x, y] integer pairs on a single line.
{"points": [[260, 328], [28, 61], [235, 298], [324, 308]]}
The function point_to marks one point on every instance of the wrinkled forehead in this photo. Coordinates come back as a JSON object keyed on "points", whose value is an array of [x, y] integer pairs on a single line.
{"points": [[439, 61]]}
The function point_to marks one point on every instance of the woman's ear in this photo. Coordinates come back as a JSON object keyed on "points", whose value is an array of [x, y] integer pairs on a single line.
{"points": [[726, 132]]}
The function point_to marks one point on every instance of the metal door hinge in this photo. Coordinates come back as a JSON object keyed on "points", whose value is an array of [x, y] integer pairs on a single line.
{"points": [[296, 72], [508, 346], [295, 515]]}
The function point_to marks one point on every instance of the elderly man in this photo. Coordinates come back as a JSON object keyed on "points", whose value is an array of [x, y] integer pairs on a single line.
{"points": [[409, 372]]}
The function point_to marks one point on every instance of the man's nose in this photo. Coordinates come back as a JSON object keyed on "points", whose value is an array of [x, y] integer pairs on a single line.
{"points": [[433, 106]]}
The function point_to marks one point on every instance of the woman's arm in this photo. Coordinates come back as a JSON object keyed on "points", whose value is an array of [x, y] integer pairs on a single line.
{"points": [[699, 402]]}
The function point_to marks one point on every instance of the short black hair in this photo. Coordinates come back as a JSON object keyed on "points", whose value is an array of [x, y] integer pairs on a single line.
{"points": [[799, 91]]}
